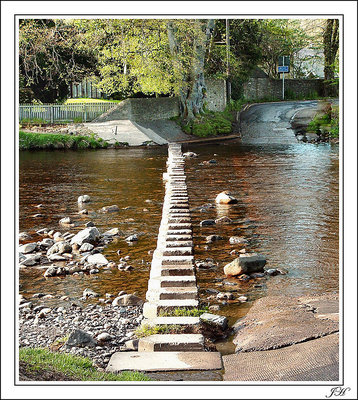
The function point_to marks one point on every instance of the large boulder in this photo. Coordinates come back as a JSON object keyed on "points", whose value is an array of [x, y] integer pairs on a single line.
{"points": [[59, 248], [83, 199], [216, 320], [245, 264], [27, 248], [107, 209], [79, 338], [30, 259], [127, 300], [87, 235], [225, 198], [97, 259]]}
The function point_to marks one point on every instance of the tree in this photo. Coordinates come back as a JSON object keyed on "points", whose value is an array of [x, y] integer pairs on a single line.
{"points": [[152, 56], [50, 58], [330, 48], [280, 37]]}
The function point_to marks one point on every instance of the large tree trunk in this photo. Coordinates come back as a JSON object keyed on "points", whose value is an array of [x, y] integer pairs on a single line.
{"points": [[193, 89], [331, 45]]}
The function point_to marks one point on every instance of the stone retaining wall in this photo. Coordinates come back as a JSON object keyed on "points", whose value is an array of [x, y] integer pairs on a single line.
{"points": [[258, 88]]}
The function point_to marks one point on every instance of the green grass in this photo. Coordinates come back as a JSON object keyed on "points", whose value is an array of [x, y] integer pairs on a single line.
{"points": [[147, 330], [87, 100], [47, 141], [327, 123], [184, 312], [78, 368], [210, 124]]}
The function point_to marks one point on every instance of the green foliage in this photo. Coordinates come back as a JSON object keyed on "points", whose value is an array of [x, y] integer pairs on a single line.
{"points": [[326, 123], [76, 367], [48, 141], [147, 330], [51, 56], [209, 124]]}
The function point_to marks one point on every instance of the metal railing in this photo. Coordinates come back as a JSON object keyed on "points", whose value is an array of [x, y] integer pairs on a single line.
{"points": [[79, 112]]}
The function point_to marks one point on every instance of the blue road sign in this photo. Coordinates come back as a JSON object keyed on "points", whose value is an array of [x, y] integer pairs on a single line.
{"points": [[283, 68]]}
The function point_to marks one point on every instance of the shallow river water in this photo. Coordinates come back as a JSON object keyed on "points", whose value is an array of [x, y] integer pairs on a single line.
{"points": [[288, 210]]}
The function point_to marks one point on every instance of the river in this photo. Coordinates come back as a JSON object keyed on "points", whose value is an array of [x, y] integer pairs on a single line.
{"points": [[288, 210]]}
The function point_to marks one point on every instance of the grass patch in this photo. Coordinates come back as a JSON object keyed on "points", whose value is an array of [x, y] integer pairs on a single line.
{"points": [[88, 101], [48, 141], [147, 330], [78, 368], [209, 124], [326, 123], [184, 312]]}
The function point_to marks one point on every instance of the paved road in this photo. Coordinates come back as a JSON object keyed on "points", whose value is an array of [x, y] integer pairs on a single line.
{"points": [[269, 123]]}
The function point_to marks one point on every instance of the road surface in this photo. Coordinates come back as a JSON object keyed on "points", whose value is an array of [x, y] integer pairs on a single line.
{"points": [[269, 123]]}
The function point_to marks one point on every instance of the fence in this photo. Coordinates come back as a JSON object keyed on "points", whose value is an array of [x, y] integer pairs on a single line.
{"points": [[79, 112]]}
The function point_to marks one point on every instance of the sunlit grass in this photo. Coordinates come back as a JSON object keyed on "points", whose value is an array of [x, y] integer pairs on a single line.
{"points": [[87, 100], [37, 141], [75, 367]]}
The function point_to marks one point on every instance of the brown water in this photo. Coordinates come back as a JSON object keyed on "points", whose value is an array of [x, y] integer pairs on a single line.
{"points": [[288, 210]]}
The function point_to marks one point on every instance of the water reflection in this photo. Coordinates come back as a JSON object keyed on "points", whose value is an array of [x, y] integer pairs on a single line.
{"points": [[288, 210]]}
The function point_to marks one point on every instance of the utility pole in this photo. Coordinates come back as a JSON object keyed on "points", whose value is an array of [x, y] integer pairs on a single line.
{"points": [[228, 83]]}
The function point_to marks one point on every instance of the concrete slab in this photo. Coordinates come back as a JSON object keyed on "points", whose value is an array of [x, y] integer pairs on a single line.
{"points": [[172, 342], [188, 321], [178, 251], [164, 361]]}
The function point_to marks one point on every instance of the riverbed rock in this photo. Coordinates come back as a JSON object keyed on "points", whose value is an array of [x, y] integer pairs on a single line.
{"points": [[24, 236], [272, 271], [89, 293], [84, 199], [127, 300], [27, 248], [59, 248], [86, 247], [132, 238], [190, 154], [56, 257], [88, 235], [104, 337], [51, 271], [107, 209], [83, 212], [225, 198], [30, 259], [46, 243], [237, 240], [112, 232], [245, 264], [79, 338], [216, 320], [225, 296], [213, 238], [65, 221], [97, 259], [223, 220], [207, 222]]}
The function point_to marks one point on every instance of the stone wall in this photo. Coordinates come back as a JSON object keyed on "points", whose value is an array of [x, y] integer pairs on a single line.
{"points": [[258, 88], [149, 109]]}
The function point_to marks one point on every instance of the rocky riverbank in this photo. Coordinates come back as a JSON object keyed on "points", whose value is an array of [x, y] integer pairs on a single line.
{"points": [[93, 330]]}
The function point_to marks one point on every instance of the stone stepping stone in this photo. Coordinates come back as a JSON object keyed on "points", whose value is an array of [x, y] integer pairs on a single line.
{"points": [[178, 260], [172, 342], [178, 251], [188, 321], [178, 237], [172, 281], [152, 310], [176, 232], [178, 293], [178, 270], [164, 361]]}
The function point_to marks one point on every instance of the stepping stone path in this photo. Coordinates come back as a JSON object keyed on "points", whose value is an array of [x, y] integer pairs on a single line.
{"points": [[172, 285]]}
